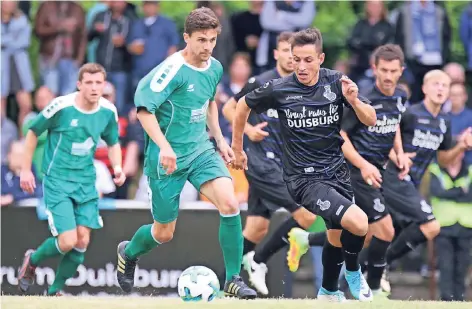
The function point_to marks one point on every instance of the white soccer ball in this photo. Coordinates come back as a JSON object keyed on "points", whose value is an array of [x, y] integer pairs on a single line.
{"points": [[198, 283]]}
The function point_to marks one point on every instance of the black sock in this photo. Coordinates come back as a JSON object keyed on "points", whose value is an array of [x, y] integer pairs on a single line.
{"points": [[352, 245], [377, 250], [277, 241], [363, 259], [408, 239], [317, 239], [248, 246], [332, 258]]}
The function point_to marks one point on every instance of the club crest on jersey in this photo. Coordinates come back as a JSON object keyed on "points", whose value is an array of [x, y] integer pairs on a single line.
{"points": [[329, 94], [442, 125], [251, 80], [400, 105]]}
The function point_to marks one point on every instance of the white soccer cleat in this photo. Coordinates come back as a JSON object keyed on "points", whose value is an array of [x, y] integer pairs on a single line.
{"points": [[257, 273], [385, 282]]}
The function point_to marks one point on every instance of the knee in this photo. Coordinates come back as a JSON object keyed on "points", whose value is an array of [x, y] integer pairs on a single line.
{"points": [[431, 229], [83, 240], [355, 221], [229, 205], [162, 235], [255, 234], [67, 241]]}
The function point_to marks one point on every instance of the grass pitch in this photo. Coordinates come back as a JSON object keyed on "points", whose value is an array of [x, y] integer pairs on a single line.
{"points": [[30, 302]]}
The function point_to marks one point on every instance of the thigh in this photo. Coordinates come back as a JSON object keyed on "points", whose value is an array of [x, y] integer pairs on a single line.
{"points": [[164, 196], [255, 205], [368, 198], [59, 206], [206, 167], [86, 207]]}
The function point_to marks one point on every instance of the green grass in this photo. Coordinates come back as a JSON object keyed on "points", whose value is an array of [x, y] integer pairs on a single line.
{"points": [[30, 302]]}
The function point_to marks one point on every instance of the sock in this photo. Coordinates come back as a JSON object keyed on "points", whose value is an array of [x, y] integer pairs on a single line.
{"points": [[248, 246], [317, 239], [48, 249], [332, 258], [231, 242], [408, 239], [67, 269], [352, 245], [277, 241], [142, 242], [376, 262], [363, 259]]}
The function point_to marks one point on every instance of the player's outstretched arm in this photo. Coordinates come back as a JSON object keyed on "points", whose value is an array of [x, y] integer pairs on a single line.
{"points": [[27, 180], [240, 119], [464, 143], [364, 112], [213, 124]]}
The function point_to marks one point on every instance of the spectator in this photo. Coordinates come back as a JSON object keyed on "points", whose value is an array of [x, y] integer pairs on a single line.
{"points": [[424, 33], [9, 135], [369, 33], [151, 40], [42, 98], [17, 77], [112, 29], [131, 138], [461, 116], [239, 73], [279, 16], [451, 200], [465, 29], [60, 27], [11, 190], [247, 30], [225, 46], [100, 6], [457, 74]]}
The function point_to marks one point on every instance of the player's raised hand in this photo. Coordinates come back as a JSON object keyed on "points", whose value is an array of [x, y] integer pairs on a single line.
{"points": [[168, 160], [371, 175], [27, 181], [255, 133], [120, 176], [240, 160], [226, 151], [349, 88]]}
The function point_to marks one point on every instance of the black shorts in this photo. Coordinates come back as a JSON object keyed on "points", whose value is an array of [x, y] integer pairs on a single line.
{"points": [[327, 198], [368, 198], [403, 199], [268, 195]]}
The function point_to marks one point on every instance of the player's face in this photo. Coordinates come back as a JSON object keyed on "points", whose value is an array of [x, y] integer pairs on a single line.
{"points": [[387, 74], [307, 62], [284, 58], [458, 96], [201, 43], [91, 87], [436, 89]]}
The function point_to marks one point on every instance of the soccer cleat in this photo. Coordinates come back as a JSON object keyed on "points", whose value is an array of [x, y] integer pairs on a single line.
{"points": [[358, 285], [56, 294], [237, 288], [125, 268], [298, 241], [26, 272], [385, 282], [334, 297], [257, 273], [380, 295]]}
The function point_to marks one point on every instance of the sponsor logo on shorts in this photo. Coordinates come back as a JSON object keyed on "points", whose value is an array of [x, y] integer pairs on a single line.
{"points": [[324, 205], [378, 206], [425, 207]]}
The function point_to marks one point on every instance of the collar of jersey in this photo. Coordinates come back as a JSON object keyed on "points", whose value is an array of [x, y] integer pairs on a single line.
{"points": [[194, 67]]}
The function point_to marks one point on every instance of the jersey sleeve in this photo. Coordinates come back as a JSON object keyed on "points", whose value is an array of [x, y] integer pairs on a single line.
{"points": [[349, 121], [111, 135], [155, 89], [220, 75], [47, 118], [252, 84], [448, 141], [262, 98]]}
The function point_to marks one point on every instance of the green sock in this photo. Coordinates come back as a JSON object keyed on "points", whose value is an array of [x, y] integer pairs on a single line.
{"points": [[66, 269], [141, 243], [231, 242], [48, 249]]}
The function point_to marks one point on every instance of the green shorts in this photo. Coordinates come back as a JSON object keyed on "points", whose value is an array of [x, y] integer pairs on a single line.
{"points": [[69, 204], [164, 193]]}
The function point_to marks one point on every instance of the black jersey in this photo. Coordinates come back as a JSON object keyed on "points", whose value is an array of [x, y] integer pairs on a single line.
{"points": [[310, 121], [424, 134], [374, 143], [269, 150]]}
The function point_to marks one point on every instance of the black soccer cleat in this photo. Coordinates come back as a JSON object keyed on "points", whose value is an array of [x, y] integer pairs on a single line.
{"points": [[237, 288], [26, 272], [125, 269]]}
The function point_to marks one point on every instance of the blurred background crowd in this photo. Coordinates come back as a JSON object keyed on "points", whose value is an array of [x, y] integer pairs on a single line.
{"points": [[45, 42]]}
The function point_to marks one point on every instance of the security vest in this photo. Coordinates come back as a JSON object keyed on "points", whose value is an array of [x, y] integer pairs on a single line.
{"points": [[447, 211]]}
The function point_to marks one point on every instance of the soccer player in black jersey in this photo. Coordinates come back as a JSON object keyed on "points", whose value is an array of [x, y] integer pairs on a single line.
{"points": [[426, 133], [267, 189], [367, 150], [310, 104]]}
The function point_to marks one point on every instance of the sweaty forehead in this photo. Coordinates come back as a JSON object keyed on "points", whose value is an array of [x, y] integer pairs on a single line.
{"points": [[205, 34]]}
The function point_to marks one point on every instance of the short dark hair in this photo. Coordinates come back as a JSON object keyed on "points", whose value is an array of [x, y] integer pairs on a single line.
{"points": [[310, 36], [284, 37], [388, 52], [91, 68], [202, 18]]}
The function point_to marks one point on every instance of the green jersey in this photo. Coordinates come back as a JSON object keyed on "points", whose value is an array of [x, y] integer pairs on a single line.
{"points": [[178, 94], [73, 135]]}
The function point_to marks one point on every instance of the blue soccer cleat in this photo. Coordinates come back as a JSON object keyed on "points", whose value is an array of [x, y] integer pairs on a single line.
{"points": [[358, 285], [333, 297]]}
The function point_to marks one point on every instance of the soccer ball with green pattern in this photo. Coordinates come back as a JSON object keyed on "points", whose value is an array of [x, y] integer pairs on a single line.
{"points": [[198, 283]]}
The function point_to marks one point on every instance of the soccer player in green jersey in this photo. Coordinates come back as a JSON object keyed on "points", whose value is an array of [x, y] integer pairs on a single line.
{"points": [[75, 124], [175, 103]]}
